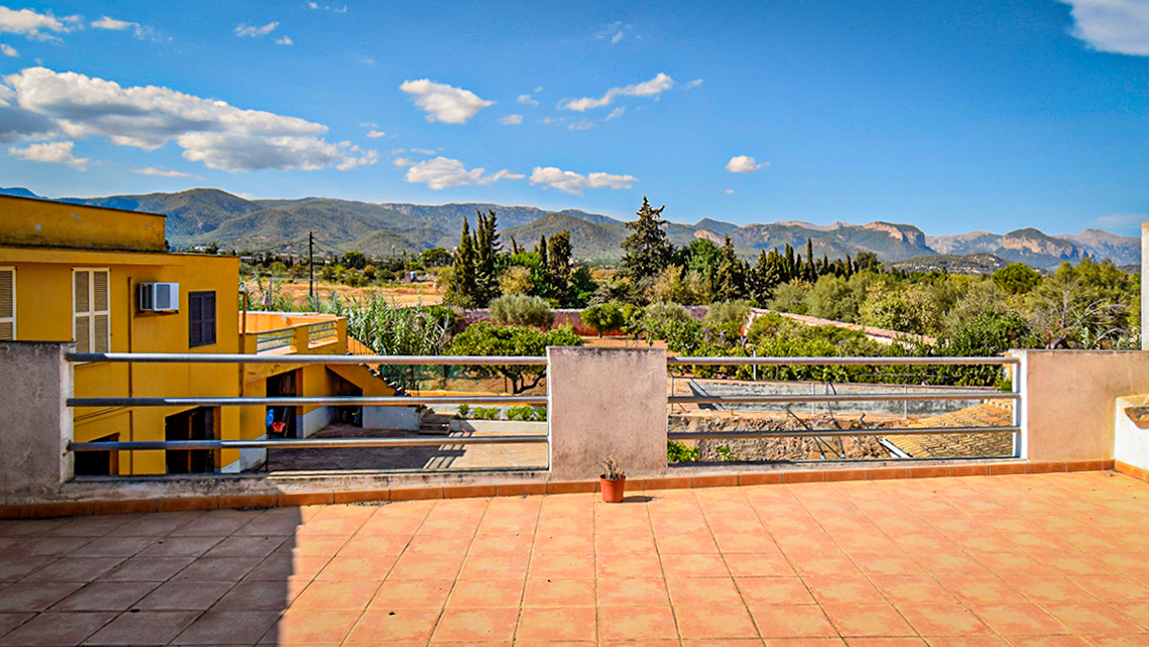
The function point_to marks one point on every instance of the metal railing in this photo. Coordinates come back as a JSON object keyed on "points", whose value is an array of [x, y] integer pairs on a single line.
{"points": [[1013, 396], [271, 340], [321, 332], [316, 443]]}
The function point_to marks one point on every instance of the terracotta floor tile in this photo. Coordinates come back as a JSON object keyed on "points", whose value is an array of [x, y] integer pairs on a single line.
{"points": [[228, 628], [334, 596], [607, 542], [1018, 619], [968, 641], [1111, 589], [678, 566], [886, 563], [828, 589], [980, 589], [629, 566], [943, 620], [1048, 588], [184, 596], [561, 567], [779, 621], [690, 543], [73, 569], [546, 592], [35, 596], [912, 589], [825, 563], [180, 547], [144, 628], [551, 624], [217, 569], [700, 591], [311, 627], [260, 596], [486, 594], [105, 596], [488, 567], [714, 621], [60, 629], [773, 590], [885, 642], [1012, 563], [413, 625], [1136, 640], [636, 623], [426, 567], [146, 569], [755, 565], [375, 567], [476, 625], [1138, 611], [1051, 641], [370, 545], [564, 544], [1095, 619], [746, 542], [502, 544], [867, 620], [114, 547]]}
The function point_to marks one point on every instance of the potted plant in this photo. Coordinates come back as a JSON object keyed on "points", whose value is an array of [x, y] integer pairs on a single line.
{"points": [[612, 481]]}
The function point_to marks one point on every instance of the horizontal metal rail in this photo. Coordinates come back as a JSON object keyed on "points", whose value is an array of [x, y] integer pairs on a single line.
{"points": [[842, 397], [807, 433], [238, 358], [294, 443], [347, 401], [840, 361]]}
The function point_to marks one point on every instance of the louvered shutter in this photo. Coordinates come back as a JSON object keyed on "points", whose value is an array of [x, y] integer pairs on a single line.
{"points": [[91, 310], [7, 303]]}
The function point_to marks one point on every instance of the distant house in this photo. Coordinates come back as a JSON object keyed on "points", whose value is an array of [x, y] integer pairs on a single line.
{"points": [[102, 277]]}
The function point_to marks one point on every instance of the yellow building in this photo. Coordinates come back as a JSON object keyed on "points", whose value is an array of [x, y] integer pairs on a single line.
{"points": [[103, 278]]}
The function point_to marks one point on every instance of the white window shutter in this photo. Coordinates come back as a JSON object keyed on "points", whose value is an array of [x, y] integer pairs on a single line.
{"points": [[7, 303], [91, 310]]}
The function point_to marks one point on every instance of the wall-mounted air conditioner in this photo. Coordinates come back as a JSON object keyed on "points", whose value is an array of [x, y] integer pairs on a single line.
{"points": [[159, 297]]}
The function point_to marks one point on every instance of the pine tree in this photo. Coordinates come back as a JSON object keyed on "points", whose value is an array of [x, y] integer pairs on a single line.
{"points": [[648, 251], [731, 278]]}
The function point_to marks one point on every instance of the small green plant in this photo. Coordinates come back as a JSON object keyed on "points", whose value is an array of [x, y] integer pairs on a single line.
{"points": [[520, 413], [725, 454], [611, 470], [464, 411], [486, 413], [680, 452], [540, 413]]}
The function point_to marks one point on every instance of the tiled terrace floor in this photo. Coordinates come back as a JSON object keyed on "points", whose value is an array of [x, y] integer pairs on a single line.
{"points": [[1059, 559]]}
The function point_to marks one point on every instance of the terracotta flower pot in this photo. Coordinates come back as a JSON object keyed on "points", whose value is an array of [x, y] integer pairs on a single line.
{"points": [[612, 489]]}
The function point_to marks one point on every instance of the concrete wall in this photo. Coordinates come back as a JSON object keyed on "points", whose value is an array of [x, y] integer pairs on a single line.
{"points": [[409, 418], [1068, 409], [35, 425], [606, 402]]}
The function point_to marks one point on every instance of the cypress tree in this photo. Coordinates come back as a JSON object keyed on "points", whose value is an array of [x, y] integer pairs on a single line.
{"points": [[465, 288], [731, 278]]}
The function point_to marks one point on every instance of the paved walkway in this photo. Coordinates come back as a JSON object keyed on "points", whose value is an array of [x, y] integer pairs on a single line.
{"points": [[1060, 559]]}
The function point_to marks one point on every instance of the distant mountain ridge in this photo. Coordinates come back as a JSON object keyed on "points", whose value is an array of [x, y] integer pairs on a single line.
{"points": [[204, 216]]}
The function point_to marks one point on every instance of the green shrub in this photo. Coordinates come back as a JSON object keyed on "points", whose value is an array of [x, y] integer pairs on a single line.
{"points": [[464, 411], [486, 413], [540, 413], [680, 452], [520, 310], [604, 317], [727, 317], [521, 413]]}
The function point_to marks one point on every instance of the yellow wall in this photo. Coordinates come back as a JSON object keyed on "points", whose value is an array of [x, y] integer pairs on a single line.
{"points": [[44, 313], [42, 223]]}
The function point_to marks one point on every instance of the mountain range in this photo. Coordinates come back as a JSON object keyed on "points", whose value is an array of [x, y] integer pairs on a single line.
{"points": [[206, 216]]}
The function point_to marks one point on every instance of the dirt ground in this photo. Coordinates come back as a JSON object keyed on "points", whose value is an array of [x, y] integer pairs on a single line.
{"points": [[407, 295]]}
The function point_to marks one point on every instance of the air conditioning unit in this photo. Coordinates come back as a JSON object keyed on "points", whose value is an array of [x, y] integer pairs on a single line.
{"points": [[159, 297]]}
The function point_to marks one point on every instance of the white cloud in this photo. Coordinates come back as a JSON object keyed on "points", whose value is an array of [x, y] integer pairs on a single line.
{"points": [[617, 37], [422, 151], [582, 124], [617, 112], [444, 103], [1115, 26], [744, 164], [373, 134], [108, 22], [613, 32], [511, 120], [34, 26], [334, 9], [8, 50], [147, 117], [729, 191], [445, 173], [51, 152], [651, 88], [254, 31], [402, 162], [161, 173], [526, 100], [693, 84], [286, 40], [571, 182], [1124, 221]]}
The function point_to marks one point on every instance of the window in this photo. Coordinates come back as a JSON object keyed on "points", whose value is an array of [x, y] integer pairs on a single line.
{"points": [[91, 310], [7, 303], [201, 319]]}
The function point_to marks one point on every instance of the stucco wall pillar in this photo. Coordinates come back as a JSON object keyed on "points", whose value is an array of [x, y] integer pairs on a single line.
{"points": [[35, 424], [1068, 400], [606, 402]]}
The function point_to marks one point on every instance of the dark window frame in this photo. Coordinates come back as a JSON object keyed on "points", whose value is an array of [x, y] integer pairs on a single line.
{"points": [[201, 318]]}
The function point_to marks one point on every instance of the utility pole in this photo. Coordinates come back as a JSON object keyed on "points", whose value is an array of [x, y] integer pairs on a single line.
{"points": [[311, 265]]}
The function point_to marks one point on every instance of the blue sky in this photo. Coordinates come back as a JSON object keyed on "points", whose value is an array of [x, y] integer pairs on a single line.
{"points": [[952, 116]]}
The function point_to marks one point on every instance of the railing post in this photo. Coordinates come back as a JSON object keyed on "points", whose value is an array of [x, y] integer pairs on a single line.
{"points": [[35, 421], [606, 403]]}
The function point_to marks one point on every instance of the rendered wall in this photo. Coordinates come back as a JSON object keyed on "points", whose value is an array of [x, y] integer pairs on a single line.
{"points": [[606, 402], [1068, 400], [35, 425], [26, 221]]}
